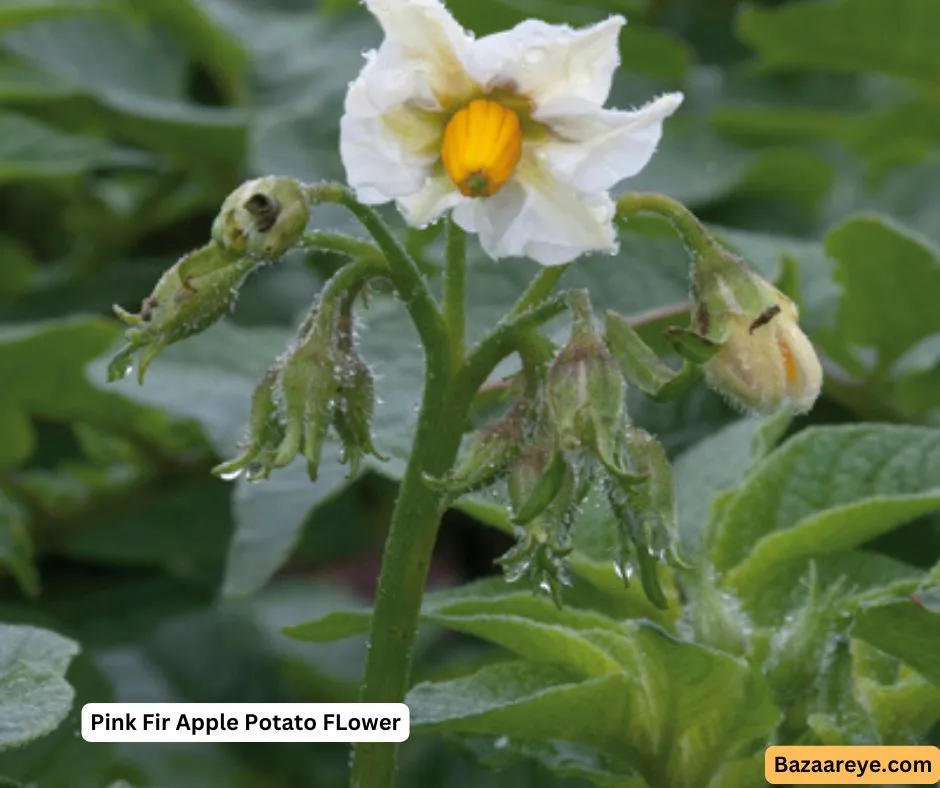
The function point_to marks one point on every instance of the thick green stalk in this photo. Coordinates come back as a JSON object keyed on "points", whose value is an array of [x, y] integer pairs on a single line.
{"points": [[408, 550], [455, 285]]}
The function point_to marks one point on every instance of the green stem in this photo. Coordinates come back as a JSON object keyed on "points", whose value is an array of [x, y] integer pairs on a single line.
{"points": [[501, 342], [539, 289], [455, 285], [693, 232], [418, 509], [347, 245], [403, 270]]}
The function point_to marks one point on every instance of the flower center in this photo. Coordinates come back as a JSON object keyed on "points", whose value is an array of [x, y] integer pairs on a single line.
{"points": [[481, 148]]}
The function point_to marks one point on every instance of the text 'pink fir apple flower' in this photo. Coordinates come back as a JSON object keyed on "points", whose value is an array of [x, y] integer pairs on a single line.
{"points": [[509, 131]]}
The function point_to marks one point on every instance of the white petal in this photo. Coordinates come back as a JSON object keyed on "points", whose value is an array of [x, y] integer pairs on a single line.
{"points": [[543, 61], [597, 148], [421, 37], [380, 164], [436, 196], [535, 215]]}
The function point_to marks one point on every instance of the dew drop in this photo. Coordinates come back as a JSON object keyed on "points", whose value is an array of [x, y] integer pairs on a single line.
{"points": [[232, 475]]}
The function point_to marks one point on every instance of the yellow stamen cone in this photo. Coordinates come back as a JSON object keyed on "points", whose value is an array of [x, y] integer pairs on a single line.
{"points": [[481, 148]]}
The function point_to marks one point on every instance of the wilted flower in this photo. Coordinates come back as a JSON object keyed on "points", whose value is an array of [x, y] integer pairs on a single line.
{"points": [[262, 218], [508, 130]]}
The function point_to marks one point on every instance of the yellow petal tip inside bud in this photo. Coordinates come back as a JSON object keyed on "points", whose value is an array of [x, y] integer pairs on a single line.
{"points": [[789, 362], [481, 148]]}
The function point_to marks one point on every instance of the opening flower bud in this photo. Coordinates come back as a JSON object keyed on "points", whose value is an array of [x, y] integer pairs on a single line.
{"points": [[766, 360], [482, 146], [262, 218], [760, 358]]}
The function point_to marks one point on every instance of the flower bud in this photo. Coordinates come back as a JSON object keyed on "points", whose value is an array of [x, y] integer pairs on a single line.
{"points": [[535, 480], [645, 508], [488, 457], [798, 650], [764, 360], [352, 412], [188, 298], [716, 617], [539, 555], [308, 390], [586, 390], [265, 433], [262, 218]]}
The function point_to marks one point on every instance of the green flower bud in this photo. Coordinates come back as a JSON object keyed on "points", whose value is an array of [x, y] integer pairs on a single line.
{"points": [[798, 650], [265, 433], [188, 298], [645, 507], [586, 390], [309, 388], [716, 617], [539, 556], [352, 412], [262, 218], [535, 480], [764, 360], [488, 457]]}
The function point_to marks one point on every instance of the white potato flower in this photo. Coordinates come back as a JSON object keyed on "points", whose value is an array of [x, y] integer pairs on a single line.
{"points": [[508, 130]]}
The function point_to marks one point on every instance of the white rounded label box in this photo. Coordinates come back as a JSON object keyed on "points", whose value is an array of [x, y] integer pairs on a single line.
{"points": [[245, 722]]}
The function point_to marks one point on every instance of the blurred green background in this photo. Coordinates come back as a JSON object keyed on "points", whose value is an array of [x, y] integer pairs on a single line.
{"points": [[123, 126]]}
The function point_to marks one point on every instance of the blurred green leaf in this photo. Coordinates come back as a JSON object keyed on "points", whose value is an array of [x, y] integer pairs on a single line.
{"points": [[30, 150], [906, 630], [16, 546], [829, 489], [137, 71], [848, 35], [17, 268], [21, 12], [34, 695], [888, 275]]}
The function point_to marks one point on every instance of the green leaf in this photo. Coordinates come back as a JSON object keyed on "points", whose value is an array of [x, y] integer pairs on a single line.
{"points": [[34, 695], [559, 758], [905, 630], [17, 265], [270, 517], [21, 12], [717, 463], [889, 275], [137, 73], [19, 440], [485, 598], [669, 714], [848, 35], [30, 150], [16, 547], [22, 83], [829, 489]]}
